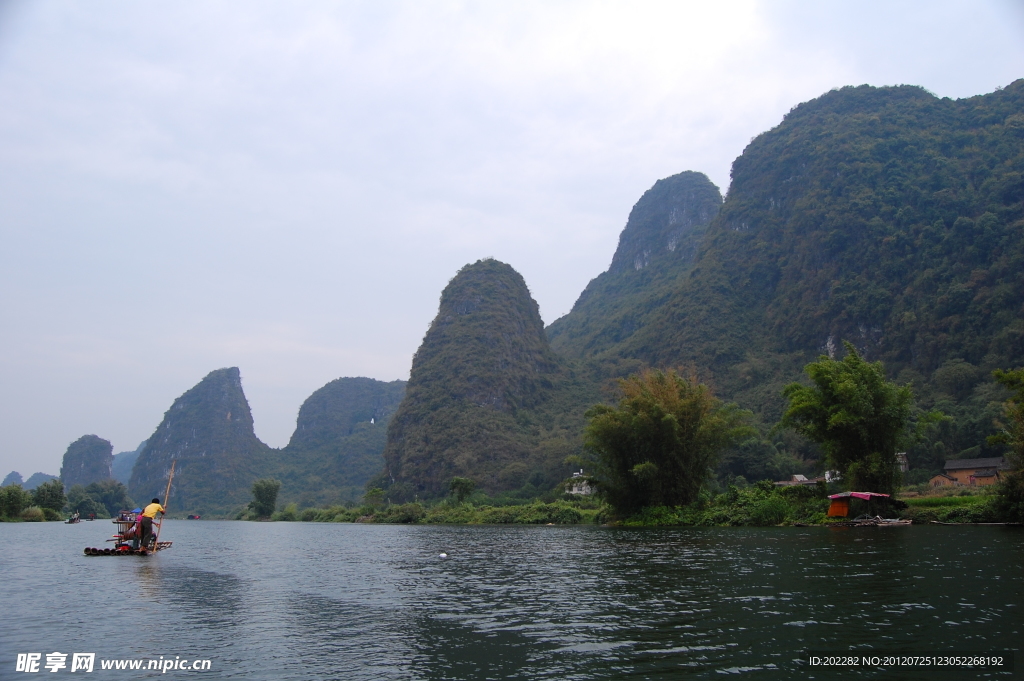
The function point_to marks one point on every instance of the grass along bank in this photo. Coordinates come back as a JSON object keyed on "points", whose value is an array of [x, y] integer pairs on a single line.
{"points": [[559, 512], [758, 505]]}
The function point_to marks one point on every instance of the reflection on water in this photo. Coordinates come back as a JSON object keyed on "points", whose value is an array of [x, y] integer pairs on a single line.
{"points": [[304, 601]]}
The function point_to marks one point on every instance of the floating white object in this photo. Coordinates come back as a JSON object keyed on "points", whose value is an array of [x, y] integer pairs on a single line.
{"points": [[443, 555]]}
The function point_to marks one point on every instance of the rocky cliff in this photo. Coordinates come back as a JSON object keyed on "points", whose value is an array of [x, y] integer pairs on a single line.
{"points": [[88, 459], [656, 249], [209, 432]]}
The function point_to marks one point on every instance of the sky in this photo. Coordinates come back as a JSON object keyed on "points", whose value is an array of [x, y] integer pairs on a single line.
{"points": [[287, 187]]}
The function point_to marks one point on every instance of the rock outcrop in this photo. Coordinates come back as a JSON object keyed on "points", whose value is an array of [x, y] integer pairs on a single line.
{"points": [[656, 250], [208, 431], [87, 460]]}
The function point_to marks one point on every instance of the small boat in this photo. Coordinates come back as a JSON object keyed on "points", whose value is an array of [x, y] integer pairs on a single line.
{"points": [[129, 526], [195, 517], [840, 508], [126, 540]]}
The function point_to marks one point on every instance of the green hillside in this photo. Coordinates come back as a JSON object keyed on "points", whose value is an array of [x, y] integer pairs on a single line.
{"points": [[883, 216], [487, 398], [338, 441]]}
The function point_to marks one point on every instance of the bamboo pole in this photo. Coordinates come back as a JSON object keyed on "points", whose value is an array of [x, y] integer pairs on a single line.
{"points": [[167, 496]]}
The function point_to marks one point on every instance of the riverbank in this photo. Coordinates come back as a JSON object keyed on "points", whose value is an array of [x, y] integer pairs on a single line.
{"points": [[759, 505]]}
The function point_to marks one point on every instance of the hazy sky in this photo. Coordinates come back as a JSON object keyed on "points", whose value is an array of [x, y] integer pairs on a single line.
{"points": [[286, 187]]}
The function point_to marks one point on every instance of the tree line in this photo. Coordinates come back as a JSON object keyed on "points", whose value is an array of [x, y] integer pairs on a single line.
{"points": [[659, 446], [48, 501]]}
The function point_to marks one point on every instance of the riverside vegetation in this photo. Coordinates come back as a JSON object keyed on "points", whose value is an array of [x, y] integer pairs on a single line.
{"points": [[654, 456]]}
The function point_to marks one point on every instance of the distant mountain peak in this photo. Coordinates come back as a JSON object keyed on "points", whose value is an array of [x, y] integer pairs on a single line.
{"points": [[209, 432], [478, 396], [87, 460], [664, 220]]}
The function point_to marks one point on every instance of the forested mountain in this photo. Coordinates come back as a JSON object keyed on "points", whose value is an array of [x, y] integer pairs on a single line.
{"points": [[209, 432], [883, 216], [87, 460], [487, 397], [338, 441]]}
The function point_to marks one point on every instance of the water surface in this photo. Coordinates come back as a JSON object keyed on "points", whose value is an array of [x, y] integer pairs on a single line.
{"points": [[342, 601]]}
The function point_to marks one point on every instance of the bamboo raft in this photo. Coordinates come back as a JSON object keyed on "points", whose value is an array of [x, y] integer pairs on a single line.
{"points": [[127, 550], [128, 527]]}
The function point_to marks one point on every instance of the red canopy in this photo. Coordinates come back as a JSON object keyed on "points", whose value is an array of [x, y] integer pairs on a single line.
{"points": [[859, 495]]}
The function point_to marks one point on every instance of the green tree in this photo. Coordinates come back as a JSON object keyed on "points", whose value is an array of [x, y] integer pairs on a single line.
{"points": [[83, 502], [264, 497], [50, 495], [113, 495], [13, 500], [858, 417], [1011, 431], [374, 497], [461, 488], [660, 445], [1009, 504]]}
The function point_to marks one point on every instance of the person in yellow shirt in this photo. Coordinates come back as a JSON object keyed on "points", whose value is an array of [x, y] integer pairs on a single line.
{"points": [[148, 514]]}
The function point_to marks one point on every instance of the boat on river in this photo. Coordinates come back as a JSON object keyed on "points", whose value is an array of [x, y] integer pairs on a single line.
{"points": [[840, 508], [127, 539]]}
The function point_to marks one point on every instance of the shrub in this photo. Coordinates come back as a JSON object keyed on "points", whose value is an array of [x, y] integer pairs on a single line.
{"points": [[289, 514], [770, 511], [404, 513], [1008, 506], [653, 516], [33, 514]]}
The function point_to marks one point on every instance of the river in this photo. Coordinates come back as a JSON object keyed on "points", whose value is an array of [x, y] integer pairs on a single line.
{"points": [[344, 601]]}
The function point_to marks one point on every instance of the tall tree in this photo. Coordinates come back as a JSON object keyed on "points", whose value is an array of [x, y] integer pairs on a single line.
{"points": [[461, 488], [1010, 502], [1011, 431], [659, 446], [50, 495], [264, 497], [858, 417]]}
